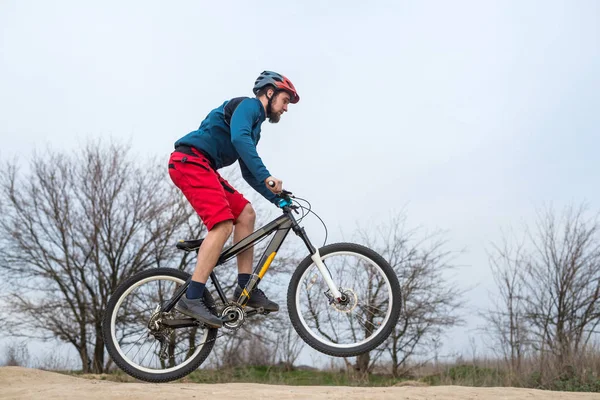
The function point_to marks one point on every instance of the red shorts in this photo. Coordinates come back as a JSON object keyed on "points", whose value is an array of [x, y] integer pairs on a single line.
{"points": [[213, 198]]}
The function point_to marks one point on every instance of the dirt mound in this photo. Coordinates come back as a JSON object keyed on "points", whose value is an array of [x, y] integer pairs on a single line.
{"points": [[25, 383]]}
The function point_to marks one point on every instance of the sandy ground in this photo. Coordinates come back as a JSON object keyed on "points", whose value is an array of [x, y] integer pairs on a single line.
{"points": [[24, 383]]}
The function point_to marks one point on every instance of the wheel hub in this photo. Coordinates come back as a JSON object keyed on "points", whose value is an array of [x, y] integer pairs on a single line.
{"points": [[154, 323], [159, 331], [348, 301]]}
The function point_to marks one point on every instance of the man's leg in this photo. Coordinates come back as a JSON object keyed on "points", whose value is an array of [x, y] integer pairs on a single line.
{"points": [[192, 302], [245, 226], [245, 217], [211, 249], [200, 185]]}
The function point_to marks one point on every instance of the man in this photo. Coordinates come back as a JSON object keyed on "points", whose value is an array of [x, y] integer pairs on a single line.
{"points": [[229, 133]]}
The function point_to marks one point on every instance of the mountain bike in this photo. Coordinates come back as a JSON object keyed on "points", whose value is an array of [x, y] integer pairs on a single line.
{"points": [[343, 300]]}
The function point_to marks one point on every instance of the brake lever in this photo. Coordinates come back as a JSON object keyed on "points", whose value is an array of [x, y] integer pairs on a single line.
{"points": [[283, 191]]}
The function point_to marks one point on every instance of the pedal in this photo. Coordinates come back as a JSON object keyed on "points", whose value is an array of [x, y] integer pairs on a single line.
{"points": [[262, 311], [255, 311]]}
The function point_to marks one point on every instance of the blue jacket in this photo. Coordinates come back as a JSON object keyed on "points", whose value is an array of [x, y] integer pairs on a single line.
{"points": [[230, 133]]}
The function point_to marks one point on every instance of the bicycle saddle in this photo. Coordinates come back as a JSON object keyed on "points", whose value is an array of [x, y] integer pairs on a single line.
{"points": [[189, 245]]}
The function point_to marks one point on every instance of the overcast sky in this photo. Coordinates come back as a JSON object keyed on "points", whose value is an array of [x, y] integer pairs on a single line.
{"points": [[468, 115]]}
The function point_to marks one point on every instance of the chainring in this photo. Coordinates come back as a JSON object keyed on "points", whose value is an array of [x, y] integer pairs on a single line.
{"points": [[237, 314]]}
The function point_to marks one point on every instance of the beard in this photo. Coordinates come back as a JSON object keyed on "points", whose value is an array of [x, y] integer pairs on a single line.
{"points": [[274, 117]]}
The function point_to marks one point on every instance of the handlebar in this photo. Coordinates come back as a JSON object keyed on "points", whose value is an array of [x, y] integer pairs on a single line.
{"points": [[285, 196]]}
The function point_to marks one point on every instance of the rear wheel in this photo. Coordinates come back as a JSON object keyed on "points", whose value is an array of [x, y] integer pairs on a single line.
{"points": [[369, 310], [137, 340]]}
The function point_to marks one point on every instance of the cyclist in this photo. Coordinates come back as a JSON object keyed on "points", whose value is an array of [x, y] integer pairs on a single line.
{"points": [[229, 133]]}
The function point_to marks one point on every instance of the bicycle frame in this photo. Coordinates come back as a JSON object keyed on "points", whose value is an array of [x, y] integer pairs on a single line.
{"points": [[282, 225]]}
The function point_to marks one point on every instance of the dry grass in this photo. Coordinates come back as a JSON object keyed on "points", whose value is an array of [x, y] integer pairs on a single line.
{"points": [[582, 374]]}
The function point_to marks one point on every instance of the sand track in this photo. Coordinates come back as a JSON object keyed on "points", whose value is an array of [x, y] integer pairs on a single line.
{"points": [[25, 383]]}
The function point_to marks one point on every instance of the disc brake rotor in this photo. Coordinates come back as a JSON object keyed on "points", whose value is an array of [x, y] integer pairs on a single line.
{"points": [[349, 303]]}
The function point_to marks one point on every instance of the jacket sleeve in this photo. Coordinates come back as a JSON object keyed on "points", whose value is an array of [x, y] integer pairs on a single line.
{"points": [[259, 186], [241, 137]]}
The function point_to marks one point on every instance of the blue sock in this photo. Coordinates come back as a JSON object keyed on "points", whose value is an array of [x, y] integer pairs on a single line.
{"points": [[243, 279], [195, 290]]}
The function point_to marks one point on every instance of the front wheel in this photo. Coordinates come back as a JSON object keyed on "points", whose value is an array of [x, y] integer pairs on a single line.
{"points": [[370, 306]]}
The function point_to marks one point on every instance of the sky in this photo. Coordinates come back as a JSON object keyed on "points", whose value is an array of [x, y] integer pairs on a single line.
{"points": [[467, 115]]}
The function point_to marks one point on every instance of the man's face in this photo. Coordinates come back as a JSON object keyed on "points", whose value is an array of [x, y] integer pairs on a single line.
{"points": [[279, 105]]}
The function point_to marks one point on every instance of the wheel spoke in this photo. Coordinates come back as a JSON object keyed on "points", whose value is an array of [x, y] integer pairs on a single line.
{"points": [[141, 336]]}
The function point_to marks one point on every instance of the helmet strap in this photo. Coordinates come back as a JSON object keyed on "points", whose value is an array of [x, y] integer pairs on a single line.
{"points": [[269, 104]]}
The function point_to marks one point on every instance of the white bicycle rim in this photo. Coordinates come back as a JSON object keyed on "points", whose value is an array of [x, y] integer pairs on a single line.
{"points": [[116, 342], [324, 340]]}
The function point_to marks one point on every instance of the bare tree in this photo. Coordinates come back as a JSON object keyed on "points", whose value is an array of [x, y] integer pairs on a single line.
{"points": [[429, 301], [563, 283], [549, 291], [506, 323], [16, 355], [289, 347], [74, 226]]}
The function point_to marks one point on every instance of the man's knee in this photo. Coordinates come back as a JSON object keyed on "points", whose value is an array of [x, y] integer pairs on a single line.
{"points": [[224, 227], [248, 216]]}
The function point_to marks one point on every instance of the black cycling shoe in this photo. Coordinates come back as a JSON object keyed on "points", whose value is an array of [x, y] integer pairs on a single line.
{"points": [[257, 299], [196, 308]]}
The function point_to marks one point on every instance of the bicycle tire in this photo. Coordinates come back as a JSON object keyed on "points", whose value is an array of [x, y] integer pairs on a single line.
{"points": [[371, 343]]}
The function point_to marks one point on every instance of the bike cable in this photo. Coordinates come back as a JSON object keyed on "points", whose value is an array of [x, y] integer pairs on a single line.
{"points": [[309, 210]]}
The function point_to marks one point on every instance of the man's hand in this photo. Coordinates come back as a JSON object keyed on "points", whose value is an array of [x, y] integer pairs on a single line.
{"points": [[277, 184]]}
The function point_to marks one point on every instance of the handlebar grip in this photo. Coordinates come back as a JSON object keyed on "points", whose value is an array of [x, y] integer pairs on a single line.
{"points": [[271, 183]]}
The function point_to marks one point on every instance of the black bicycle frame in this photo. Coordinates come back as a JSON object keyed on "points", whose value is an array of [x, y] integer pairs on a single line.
{"points": [[282, 225]]}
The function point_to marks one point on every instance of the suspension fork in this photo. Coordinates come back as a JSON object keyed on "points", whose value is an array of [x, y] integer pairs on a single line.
{"points": [[316, 257]]}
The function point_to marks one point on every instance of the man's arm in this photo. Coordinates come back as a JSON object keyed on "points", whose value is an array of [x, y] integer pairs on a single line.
{"points": [[259, 186], [241, 137]]}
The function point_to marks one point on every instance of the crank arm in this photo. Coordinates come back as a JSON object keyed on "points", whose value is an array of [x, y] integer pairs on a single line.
{"points": [[257, 311], [181, 323]]}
